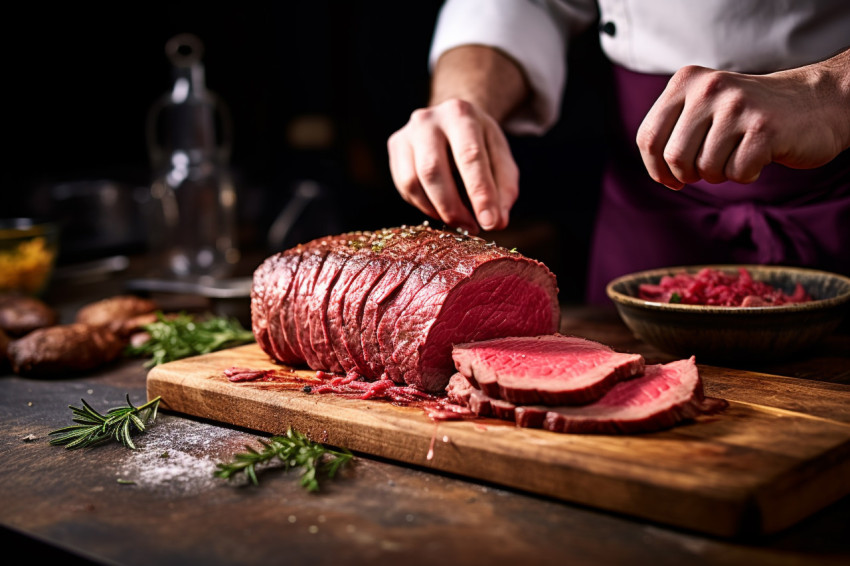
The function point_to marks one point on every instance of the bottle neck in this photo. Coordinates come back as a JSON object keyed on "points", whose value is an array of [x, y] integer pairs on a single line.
{"points": [[188, 121]]}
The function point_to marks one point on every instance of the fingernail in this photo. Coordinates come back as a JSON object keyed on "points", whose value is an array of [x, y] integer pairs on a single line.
{"points": [[487, 219]]}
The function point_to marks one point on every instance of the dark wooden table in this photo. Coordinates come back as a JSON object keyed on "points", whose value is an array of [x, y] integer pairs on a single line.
{"points": [[59, 506]]}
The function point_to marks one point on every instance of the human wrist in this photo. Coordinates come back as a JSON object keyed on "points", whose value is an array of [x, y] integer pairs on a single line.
{"points": [[831, 78], [482, 76]]}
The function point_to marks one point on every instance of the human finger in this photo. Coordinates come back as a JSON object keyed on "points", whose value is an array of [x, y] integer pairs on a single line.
{"points": [[720, 141], [747, 160], [472, 158], [657, 126], [686, 139], [433, 170], [505, 172], [652, 139], [403, 173]]}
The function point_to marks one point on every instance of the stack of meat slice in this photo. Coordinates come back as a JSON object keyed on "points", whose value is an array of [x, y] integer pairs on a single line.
{"points": [[390, 304], [570, 384]]}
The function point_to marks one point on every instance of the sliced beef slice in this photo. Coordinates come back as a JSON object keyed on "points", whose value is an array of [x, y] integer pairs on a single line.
{"points": [[385, 252], [440, 257], [406, 259], [353, 308], [378, 330], [462, 256], [259, 312], [461, 392], [276, 292], [548, 369], [290, 315], [312, 264], [664, 396], [317, 320], [495, 296], [336, 302]]}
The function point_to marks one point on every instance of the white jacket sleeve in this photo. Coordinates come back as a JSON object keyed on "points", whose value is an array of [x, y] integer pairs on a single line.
{"points": [[534, 33]]}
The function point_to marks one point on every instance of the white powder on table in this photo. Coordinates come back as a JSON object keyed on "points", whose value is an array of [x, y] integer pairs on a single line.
{"points": [[178, 456]]}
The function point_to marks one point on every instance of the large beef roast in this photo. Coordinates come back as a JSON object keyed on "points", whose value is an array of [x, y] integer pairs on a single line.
{"points": [[662, 397], [392, 303], [551, 369]]}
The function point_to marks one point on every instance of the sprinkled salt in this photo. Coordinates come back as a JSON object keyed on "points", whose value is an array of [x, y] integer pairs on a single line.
{"points": [[179, 456]]}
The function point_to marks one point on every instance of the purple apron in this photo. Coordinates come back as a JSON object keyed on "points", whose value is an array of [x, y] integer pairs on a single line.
{"points": [[788, 216]]}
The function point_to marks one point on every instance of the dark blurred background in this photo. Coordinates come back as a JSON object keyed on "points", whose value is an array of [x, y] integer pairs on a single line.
{"points": [[314, 90]]}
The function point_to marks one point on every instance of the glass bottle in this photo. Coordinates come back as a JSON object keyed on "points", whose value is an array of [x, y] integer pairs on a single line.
{"points": [[193, 215]]}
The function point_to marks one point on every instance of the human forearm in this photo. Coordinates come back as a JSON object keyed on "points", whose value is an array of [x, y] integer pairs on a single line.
{"points": [[482, 76]]}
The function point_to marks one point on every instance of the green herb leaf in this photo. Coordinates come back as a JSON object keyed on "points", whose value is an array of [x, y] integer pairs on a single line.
{"points": [[295, 450], [94, 428], [675, 298], [183, 335]]}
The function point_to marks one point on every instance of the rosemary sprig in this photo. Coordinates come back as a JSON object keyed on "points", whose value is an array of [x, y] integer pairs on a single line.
{"points": [[182, 336], [294, 450], [93, 428]]}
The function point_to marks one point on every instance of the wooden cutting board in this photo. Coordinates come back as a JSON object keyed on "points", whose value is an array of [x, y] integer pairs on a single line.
{"points": [[779, 453]]}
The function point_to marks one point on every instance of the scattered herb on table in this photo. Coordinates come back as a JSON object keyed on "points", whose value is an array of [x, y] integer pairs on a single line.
{"points": [[183, 335], [93, 428], [295, 450]]}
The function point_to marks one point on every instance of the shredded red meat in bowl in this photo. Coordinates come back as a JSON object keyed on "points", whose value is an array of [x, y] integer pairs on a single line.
{"points": [[697, 310], [714, 287]]}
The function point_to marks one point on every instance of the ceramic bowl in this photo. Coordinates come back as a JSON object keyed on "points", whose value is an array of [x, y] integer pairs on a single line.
{"points": [[28, 250], [735, 334]]}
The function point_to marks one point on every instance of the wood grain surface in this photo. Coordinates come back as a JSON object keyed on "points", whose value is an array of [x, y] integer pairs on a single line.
{"points": [[779, 453]]}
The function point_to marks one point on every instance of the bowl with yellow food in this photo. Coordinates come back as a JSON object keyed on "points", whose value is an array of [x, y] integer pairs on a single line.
{"points": [[28, 250]]}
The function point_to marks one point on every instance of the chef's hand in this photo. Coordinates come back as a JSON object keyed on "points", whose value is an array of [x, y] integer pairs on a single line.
{"points": [[720, 126], [455, 133]]}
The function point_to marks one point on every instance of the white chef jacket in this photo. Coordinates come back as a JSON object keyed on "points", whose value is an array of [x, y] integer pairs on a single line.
{"points": [[649, 36]]}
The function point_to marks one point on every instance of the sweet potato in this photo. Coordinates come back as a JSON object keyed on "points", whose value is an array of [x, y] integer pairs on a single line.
{"points": [[64, 349]]}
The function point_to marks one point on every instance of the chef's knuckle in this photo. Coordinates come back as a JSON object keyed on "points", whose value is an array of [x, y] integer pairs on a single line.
{"points": [[760, 127], [713, 84], [421, 116], [458, 108], [682, 78], [393, 142], [470, 154], [429, 170], [675, 158], [735, 103], [648, 141]]}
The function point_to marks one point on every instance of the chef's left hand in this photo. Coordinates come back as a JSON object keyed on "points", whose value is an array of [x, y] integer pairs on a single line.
{"points": [[722, 126]]}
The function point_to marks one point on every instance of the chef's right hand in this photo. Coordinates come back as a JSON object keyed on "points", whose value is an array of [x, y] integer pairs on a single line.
{"points": [[422, 154]]}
